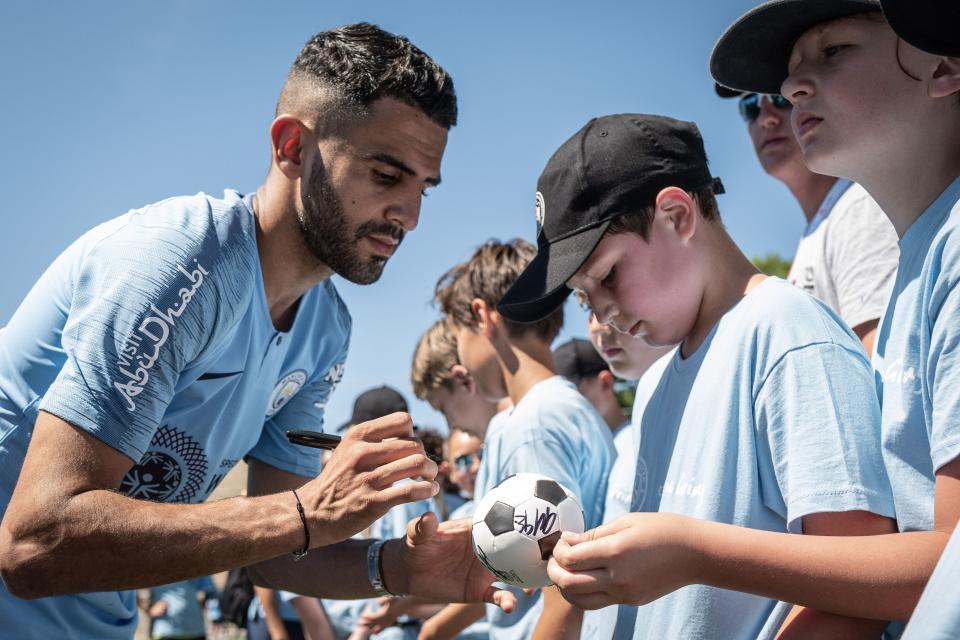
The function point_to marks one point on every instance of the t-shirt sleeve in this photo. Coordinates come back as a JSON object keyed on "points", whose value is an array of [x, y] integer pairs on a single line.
{"points": [[818, 414], [862, 256], [943, 369], [147, 299], [305, 410]]}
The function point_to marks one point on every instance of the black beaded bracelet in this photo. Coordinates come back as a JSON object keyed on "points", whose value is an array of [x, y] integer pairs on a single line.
{"points": [[306, 530]]}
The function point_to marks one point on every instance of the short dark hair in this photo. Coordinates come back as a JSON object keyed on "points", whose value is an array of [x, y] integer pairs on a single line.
{"points": [[487, 275], [639, 220], [360, 63]]}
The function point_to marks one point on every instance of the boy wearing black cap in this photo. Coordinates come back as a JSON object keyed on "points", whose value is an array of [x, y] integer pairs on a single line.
{"points": [[873, 108], [763, 418], [579, 362], [551, 429]]}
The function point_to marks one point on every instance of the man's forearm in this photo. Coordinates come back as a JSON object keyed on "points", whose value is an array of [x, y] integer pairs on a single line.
{"points": [[878, 577], [103, 540], [313, 574]]}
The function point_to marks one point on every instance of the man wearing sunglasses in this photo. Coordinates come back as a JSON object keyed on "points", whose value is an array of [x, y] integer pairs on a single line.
{"points": [[848, 253]]}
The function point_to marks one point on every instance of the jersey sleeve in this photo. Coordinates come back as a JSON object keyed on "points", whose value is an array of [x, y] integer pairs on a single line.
{"points": [[862, 256], [943, 367], [305, 410], [818, 416], [147, 300]]}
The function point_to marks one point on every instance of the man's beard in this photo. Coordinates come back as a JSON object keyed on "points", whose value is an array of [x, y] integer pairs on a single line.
{"points": [[330, 239]]}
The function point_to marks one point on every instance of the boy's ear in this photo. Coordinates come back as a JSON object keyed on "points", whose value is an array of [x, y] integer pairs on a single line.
{"points": [[487, 317], [462, 377], [606, 379], [946, 78], [679, 209]]}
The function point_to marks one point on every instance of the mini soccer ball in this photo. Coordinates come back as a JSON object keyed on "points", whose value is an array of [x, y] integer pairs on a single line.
{"points": [[517, 524]]}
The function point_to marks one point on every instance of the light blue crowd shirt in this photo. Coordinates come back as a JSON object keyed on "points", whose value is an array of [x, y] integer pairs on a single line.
{"points": [[773, 418], [554, 431], [184, 615], [152, 333], [917, 362]]}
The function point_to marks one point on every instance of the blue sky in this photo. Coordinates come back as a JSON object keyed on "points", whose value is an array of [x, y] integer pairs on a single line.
{"points": [[109, 106]]}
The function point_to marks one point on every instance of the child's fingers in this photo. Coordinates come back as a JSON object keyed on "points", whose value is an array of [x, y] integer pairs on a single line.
{"points": [[592, 554], [579, 582], [597, 533]]}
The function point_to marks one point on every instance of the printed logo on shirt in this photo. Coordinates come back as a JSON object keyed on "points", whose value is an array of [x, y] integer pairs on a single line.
{"points": [[640, 483], [285, 389], [142, 347], [895, 373], [684, 486], [172, 470], [222, 472]]}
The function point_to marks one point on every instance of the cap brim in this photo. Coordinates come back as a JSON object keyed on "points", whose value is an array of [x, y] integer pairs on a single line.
{"points": [[726, 92], [752, 54], [542, 287], [929, 25]]}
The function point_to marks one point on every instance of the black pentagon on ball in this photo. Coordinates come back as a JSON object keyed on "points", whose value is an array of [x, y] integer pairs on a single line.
{"points": [[547, 543], [499, 518], [550, 491]]}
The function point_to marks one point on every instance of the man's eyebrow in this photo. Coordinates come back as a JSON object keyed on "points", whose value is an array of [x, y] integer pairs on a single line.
{"points": [[393, 161]]}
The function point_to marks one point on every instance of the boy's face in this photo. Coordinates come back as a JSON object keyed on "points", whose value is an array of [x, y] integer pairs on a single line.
{"points": [[645, 289], [627, 357], [461, 408], [477, 354], [463, 454], [851, 100]]}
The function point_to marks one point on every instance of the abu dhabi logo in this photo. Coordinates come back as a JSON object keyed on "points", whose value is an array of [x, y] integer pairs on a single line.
{"points": [[142, 347]]}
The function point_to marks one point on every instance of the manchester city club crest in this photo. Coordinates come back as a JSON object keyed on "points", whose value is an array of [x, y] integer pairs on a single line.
{"points": [[285, 389]]}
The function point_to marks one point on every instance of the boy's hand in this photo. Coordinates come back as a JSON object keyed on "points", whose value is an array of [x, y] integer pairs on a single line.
{"points": [[635, 559], [437, 562]]}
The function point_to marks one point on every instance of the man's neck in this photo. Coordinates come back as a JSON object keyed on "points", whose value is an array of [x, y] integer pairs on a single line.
{"points": [[288, 269], [810, 189]]}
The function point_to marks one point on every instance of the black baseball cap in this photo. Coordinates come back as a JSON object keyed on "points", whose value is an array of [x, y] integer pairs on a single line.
{"points": [[930, 25], [613, 165], [375, 403], [577, 359], [753, 53]]}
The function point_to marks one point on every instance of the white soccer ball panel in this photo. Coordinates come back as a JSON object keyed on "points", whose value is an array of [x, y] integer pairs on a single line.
{"points": [[571, 515]]}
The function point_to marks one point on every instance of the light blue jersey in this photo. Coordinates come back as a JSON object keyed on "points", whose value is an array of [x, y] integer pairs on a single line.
{"points": [[184, 615], [772, 419], [937, 616], [285, 607], [479, 630], [152, 333], [917, 360], [556, 432]]}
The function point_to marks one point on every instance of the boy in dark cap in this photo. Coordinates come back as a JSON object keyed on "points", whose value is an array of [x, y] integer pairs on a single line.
{"points": [[873, 108], [764, 418]]}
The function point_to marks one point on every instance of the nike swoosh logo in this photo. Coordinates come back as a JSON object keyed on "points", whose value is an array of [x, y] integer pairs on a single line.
{"points": [[215, 376]]}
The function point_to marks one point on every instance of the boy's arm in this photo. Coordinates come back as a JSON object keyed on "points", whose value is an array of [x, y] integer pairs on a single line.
{"points": [[451, 620], [559, 619], [271, 613], [313, 618], [879, 576], [806, 623]]}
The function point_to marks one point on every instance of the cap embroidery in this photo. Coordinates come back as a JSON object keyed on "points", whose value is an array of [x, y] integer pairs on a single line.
{"points": [[541, 211]]}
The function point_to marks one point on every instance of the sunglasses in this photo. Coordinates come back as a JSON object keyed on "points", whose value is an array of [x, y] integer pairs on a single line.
{"points": [[466, 461], [750, 105]]}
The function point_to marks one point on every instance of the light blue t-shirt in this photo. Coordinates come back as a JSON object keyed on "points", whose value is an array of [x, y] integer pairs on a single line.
{"points": [[479, 630], [344, 614], [556, 432], [284, 606], [937, 616], [152, 333], [772, 419], [917, 360], [184, 615]]}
